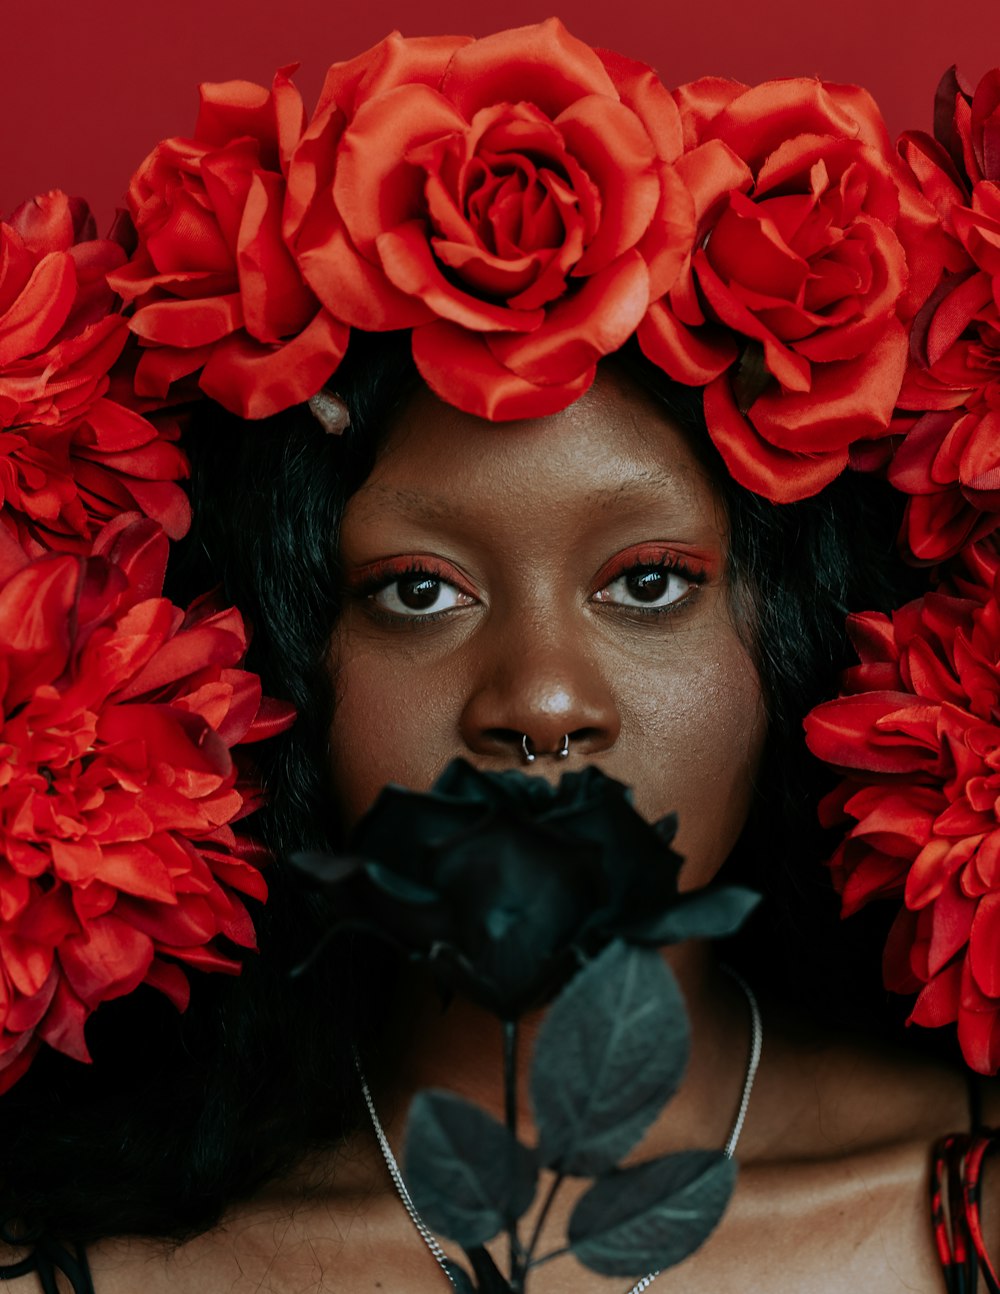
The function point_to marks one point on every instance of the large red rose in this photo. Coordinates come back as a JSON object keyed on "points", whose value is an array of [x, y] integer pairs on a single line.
{"points": [[917, 733], [118, 789], [511, 199], [214, 285], [949, 460], [71, 456], [813, 245]]}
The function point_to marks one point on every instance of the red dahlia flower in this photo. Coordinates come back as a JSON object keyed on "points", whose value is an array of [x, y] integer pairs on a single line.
{"points": [[812, 252], [949, 461], [118, 790], [214, 285], [71, 457], [513, 200], [918, 734]]}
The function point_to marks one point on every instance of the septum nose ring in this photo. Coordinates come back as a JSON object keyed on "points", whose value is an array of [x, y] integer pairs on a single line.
{"points": [[531, 755]]}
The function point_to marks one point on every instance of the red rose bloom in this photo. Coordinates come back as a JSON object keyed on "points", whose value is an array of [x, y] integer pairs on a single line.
{"points": [[949, 461], [214, 284], [812, 247], [71, 457], [918, 735], [118, 715], [511, 199]]}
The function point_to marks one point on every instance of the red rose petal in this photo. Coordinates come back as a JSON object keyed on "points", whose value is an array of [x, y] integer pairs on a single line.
{"points": [[542, 64], [189, 324], [937, 1004], [230, 109], [459, 367], [759, 121], [410, 265], [53, 222], [62, 1027], [845, 732], [779, 475], [616, 153], [350, 287], [687, 355], [35, 608], [109, 962], [850, 400], [582, 328], [39, 310], [276, 302], [374, 188], [954, 314], [159, 367], [171, 981], [643, 91], [256, 381]]}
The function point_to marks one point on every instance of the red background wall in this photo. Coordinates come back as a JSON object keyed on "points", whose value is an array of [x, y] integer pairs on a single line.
{"points": [[86, 88]]}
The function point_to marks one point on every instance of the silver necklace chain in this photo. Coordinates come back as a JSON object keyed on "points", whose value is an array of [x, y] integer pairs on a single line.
{"points": [[729, 1150]]}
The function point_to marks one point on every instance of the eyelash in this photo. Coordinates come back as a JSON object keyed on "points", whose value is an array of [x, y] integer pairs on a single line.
{"points": [[383, 579], [378, 580], [669, 563]]}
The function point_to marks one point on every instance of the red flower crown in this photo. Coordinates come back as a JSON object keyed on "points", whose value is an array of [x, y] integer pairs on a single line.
{"points": [[523, 204]]}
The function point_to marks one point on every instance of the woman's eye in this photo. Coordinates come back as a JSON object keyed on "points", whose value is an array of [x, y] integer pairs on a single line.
{"points": [[647, 586], [419, 594]]}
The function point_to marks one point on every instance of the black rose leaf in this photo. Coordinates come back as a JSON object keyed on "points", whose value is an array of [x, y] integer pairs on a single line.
{"points": [[609, 1054], [651, 1216], [712, 913], [467, 1174], [328, 869]]}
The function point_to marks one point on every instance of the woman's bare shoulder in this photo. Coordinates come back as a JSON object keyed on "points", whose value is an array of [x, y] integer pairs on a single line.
{"points": [[830, 1096], [258, 1250], [331, 1227]]}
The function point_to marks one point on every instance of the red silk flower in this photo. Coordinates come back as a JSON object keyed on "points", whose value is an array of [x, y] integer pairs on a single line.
{"points": [[118, 790], [813, 249], [918, 736], [949, 461], [71, 457], [215, 287], [513, 200]]}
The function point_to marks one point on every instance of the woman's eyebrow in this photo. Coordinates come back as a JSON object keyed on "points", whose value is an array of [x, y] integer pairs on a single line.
{"points": [[376, 498], [679, 484]]}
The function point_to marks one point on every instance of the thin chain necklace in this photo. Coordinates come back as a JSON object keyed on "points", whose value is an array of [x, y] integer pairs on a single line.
{"points": [[441, 1258]]}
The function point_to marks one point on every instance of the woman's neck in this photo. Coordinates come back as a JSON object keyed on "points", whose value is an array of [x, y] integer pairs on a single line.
{"points": [[461, 1048]]}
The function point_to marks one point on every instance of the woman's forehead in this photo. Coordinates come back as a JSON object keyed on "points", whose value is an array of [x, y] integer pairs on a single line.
{"points": [[614, 443]]}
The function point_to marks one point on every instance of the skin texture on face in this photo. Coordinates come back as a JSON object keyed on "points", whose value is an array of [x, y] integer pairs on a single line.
{"points": [[563, 575]]}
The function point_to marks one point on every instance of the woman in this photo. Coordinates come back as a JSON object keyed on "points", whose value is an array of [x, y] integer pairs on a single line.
{"points": [[596, 581]]}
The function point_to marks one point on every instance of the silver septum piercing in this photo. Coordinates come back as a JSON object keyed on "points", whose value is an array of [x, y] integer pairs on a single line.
{"points": [[530, 755]]}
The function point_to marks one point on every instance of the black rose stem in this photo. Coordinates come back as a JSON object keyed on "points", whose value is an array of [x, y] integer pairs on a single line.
{"points": [[510, 1105], [519, 894]]}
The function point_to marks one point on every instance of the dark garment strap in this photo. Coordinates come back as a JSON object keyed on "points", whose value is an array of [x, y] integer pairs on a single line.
{"points": [[955, 1202], [49, 1259]]}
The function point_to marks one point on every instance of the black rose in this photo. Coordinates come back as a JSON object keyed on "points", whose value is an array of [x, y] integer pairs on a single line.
{"points": [[504, 883]]}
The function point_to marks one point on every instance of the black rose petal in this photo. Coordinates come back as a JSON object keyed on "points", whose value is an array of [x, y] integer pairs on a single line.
{"points": [[503, 883]]}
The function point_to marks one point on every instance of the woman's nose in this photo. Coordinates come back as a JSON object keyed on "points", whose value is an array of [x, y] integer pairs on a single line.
{"points": [[541, 700]]}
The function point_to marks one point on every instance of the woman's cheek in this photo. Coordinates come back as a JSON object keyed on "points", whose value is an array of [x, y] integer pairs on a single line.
{"points": [[391, 722], [702, 745]]}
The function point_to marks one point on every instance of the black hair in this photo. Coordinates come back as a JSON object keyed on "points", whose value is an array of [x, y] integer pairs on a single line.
{"points": [[181, 1116]]}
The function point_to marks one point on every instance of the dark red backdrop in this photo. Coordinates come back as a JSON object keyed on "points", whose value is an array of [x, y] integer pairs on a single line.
{"points": [[87, 88]]}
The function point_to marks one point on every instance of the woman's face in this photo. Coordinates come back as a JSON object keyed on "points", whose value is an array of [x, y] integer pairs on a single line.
{"points": [[563, 575]]}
